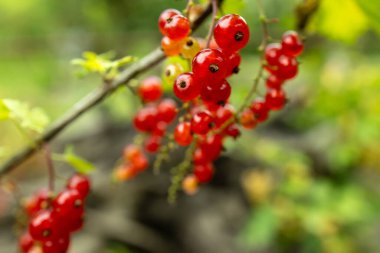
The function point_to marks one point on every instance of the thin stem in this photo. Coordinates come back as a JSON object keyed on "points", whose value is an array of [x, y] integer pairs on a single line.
{"points": [[189, 5], [50, 166], [213, 22]]}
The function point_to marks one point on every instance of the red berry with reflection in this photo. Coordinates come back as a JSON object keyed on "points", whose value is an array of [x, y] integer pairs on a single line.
{"points": [[287, 67], [204, 172], [43, 226], [233, 63], [291, 43], [231, 33], [272, 53], [274, 82], [59, 245], [182, 134], [209, 65], [80, 183], [152, 143], [38, 202], [177, 27], [165, 15], [248, 119], [260, 110], [186, 87], [167, 110], [25, 242], [171, 47], [146, 119], [150, 89], [275, 99], [68, 204], [202, 122], [216, 92]]}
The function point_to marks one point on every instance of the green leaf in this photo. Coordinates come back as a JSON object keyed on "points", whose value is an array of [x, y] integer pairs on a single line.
{"points": [[78, 163], [372, 11], [4, 111], [233, 6]]}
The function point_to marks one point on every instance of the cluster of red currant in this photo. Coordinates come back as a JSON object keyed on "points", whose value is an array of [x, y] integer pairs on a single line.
{"points": [[53, 219]]}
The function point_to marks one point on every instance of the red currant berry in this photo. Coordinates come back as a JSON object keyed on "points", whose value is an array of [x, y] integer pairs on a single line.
{"points": [[212, 146], [200, 157], [202, 122], [274, 82], [150, 89], [25, 242], [80, 183], [165, 15], [233, 63], [68, 204], [141, 163], [186, 87], [177, 27], [275, 99], [292, 44], [152, 143], [36, 203], [171, 47], [224, 114], [204, 172], [287, 67], [272, 53], [167, 110], [216, 92], [209, 65], [43, 226], [131, 152], [182, 134], [59, 245], [231, 33], [260, 110], [248, 119], [160, 129], [75, 224], [232, 131], [190, 185], [146, 119]]}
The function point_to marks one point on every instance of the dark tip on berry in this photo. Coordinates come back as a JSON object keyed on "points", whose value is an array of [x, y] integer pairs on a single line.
{"points": [[182, 84], [189, 43], [213, 68], [211, 125], [221, 103], [239, 36], [169, 20], [78, 203], [224, 149], [46, 233], [168, 72], [236, 70]]}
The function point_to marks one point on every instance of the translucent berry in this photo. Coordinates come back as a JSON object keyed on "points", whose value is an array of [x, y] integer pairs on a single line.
{"points": [[232, 131], [216, 92], [171, 72], [200, 156], [43, 226], [186, 87], [275, 99], [233, 63], [231, 33], [141, 163], [124, 173], [209, 65], [177, 27], [248, 119], [59, 245], [272, 53], [171, 47], [182, 134], [131, 152], [80, 183], [36, 203], [146, 119], [190, 185], [25, 242], [202, 122], [165, 15], [150, 89], [160, 129], [211, 145], [167, 110], [274, 82], [68, 204], [292, 44], [224, 114], [287, 67], [190, 48], [260, 110], [204, 172], [152, 143]]}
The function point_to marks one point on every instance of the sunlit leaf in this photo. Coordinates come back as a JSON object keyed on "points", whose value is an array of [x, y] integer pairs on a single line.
{"points": [[372, 10], [78, 163]]}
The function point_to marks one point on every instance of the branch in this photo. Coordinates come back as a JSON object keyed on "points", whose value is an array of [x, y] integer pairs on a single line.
{"points": [[91, 100]]}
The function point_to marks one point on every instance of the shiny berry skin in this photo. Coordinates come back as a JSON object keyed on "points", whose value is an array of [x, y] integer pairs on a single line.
{"points": [[291, 43], [231, 33], [233, 63], [131, 153], [287, 67], [202, 122], [232, 131], [125, 172], [75, 224], [190, 48], [25, 242], [272, 53], [36, 203], [274, 82], [216, 92], [260, 110], [152, 143], [182, 134], [141, 163], [145, 119], [275, 99], [186, 87], [200, 156], [165, 15], [204, 172], [171, 72], [59, 245], [209, 65], [190, 185], [150, 89], [167, 110], [177, 27], [224, 114], [43, 226], [80, 183], [68, 204], [248, 119], [160, 129], [171, 47], [211, 145]]}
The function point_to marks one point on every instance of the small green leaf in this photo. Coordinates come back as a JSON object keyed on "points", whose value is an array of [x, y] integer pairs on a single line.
{"points": [[4, 111], [78, 163], [233, 6]]}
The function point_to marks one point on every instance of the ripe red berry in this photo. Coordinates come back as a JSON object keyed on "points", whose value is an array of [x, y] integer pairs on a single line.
{"points": [[150, 89], [204, 172], [287, 67], [182, 134], [165, 15], [231, 33], [171, 47], [275, 99], [224, 114], [167, 110], [160, 128], [177, 27], [75, 224], [25, 242], [209, 65], [186, 87], [233, 63], [232, 131], [152, 143], [36, 203], [43, 226], [200, 156], [80, 183], [131, 152], [202, 122], [58, 245], [247, 119], [260, 110], [272, 53], [146, 119], [292, 44], [140, 163], [68, 204], [274, 82], [216, 92], [211, 145]]}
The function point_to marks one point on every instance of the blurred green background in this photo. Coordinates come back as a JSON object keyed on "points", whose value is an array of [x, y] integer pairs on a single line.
{"points": [[313, 185]]}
